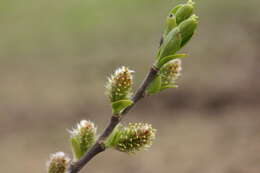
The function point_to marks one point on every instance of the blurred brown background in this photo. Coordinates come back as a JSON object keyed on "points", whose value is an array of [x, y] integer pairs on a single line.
{"points": [[55, 57]]}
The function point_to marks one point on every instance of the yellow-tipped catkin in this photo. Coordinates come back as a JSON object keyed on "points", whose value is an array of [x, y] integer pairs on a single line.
{"points": [[119, 85], [134, 137], [169, 73], [82, 138], [58, 163]]}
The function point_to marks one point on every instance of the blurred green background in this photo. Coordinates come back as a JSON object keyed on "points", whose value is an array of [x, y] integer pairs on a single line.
{"points": [[55, 57]]}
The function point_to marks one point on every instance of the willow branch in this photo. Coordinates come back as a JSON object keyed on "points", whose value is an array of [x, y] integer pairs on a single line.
{"points": [[99, 146]]}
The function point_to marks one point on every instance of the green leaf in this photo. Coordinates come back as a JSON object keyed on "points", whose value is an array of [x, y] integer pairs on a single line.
{"points": [[184, 12], [75, 146], [168, 86], [120, 105], [154, 86], [186, 40], [166, 59], [170, 24], [187, 29], [112, 139], [174, 10], [171, 43]]}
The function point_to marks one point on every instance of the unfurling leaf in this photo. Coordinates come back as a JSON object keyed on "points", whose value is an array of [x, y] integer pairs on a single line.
{"points": [[171, 44], [120, 105], [155, 86], [187, 29], [184, 12], [166, 59]]}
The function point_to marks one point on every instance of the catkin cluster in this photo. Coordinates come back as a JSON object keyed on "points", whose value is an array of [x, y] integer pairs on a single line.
{"points": [[181, 24]]}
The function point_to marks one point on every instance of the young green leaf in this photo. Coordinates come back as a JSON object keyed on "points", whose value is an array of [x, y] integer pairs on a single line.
{"points": [[166, 59], [184, 12], [154, 86], [170, 24], [75, 146], [174, 10], [171, 43], [120, 105], [187, 28]]}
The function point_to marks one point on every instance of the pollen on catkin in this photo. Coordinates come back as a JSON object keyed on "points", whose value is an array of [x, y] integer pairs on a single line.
{"points": [[83, 135], [58, 163], [170, 72], [119, 85], [134, 137]]}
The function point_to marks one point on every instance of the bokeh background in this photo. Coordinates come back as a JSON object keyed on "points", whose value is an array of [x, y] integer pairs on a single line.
{"points": [[55, 57]]}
